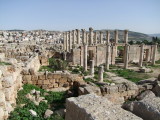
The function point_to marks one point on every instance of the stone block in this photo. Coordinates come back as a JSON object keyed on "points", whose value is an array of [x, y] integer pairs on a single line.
{"points": [[50, 85], [26, 78], [41, 77], [46, 82], [45, 87], [40, 82], [25, 72], [52, 81], [113, 89], [56, 76], [49, 76], [63, 80], [31, 71], [34, 77], [8, 81], [131, 92], [2, 114], [55, 85], [2, 98], [34, 82], [9, 93]]}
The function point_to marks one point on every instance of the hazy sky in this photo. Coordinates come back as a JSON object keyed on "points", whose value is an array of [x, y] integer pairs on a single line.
{"points": [[135, 15]]}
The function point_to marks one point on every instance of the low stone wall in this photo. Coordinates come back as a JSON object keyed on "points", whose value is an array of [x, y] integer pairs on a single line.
{"points": [[120, 90], [50, 80], [10, 82]]}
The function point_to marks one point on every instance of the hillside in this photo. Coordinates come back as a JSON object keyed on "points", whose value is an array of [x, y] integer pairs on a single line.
{"points": [[155, 35], [135, 36]]}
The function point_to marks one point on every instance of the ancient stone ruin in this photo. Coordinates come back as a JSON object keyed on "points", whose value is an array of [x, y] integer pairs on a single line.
{"points": [[99, 74]]}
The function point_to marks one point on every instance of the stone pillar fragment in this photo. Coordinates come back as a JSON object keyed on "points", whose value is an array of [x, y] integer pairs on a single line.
{"points": [[101, 37], [67, 42], [85, 57], [64, 41], [78, 37], [126, 36], [84, 41], [108, 37], [107, 56], [74, 36], [64, 55], [100, 74], [141, 55], [116, 41], [95, 38], [116, 36], [126, 56], [87, 38], [92, 67], [70, 40], [90, 36], [154, 54]]}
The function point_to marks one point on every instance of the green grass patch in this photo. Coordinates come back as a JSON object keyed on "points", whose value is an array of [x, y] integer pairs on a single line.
{"points": [[5, 63], [54, 65], [55, 100], [46, 68], [120, 47], [131, 75]]}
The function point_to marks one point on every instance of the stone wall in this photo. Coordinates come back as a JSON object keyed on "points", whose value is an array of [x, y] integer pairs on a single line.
{"points": [[10, 82], [50, 80]]}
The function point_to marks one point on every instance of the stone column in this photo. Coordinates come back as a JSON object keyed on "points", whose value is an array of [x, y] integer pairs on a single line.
{"points": [[90, 36], [108, 37], [126, 36], [92, 67], [78, 37], [95, 38], [67, 41], [154, 54], [107, 56], [100, 74], [64, 56], [84, 36], [74, 36], [64, 41], [141, 55], [126, 56], [85, 57], [101, 37], [87, 38], [116, 41], [116, 36], [70, 40]]}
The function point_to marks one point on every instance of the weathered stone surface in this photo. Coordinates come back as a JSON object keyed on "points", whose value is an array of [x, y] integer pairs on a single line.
{"points": [[89, 89], [158, 77], [8, 81], [147, 93], [48, 113], [148, 108], [156, 90], [33, 113], [93, 107]]}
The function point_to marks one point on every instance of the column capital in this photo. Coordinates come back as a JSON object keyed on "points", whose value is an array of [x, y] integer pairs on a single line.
{"points": [[90, 29], [126, 31]]}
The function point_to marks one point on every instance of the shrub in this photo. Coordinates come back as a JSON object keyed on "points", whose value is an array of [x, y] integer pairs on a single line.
{"points": [[22, 113]]}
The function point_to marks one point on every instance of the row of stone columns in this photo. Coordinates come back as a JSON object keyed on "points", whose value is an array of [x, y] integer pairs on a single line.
{"points": [[142, 55], [74, 37]]}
